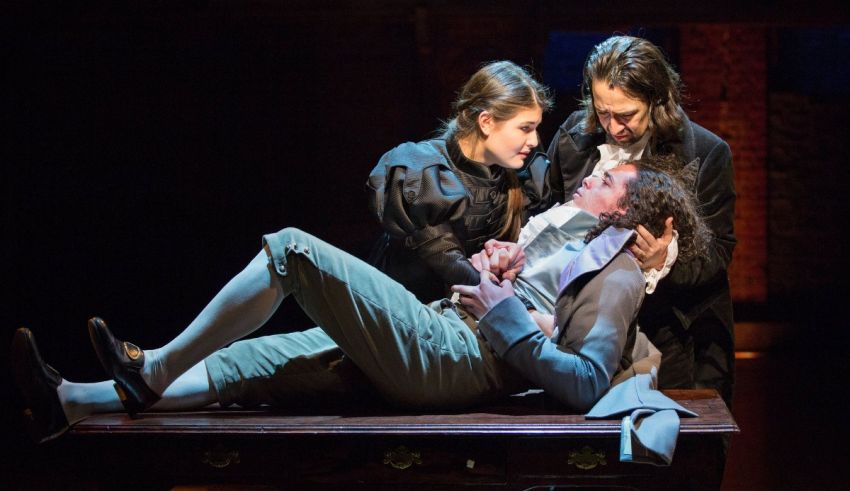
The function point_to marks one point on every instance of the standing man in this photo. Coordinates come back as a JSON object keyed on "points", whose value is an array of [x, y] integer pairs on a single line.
{"points": [[631, 107]]}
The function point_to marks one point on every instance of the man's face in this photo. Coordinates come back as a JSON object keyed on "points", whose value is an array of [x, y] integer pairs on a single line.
{"points": [[624, 118], [601, 194]]}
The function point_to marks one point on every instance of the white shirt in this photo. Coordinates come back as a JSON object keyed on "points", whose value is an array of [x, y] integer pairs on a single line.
{"points": [[556, 215], [560, 214]]}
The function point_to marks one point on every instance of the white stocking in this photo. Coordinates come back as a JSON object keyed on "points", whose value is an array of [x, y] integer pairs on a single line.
{"points": [[192, 390], [244, 304], [83, 399]]}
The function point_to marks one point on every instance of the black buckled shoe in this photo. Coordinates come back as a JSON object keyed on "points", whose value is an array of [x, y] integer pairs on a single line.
{"points": [[123, 362], [37, 382]]}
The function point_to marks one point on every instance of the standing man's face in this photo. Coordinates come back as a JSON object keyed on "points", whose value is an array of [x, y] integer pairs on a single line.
{"points": [[624, 118]]}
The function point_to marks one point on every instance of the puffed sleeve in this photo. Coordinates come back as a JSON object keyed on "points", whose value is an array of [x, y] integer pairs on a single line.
{"points": [[536, 185], [418, 201]]}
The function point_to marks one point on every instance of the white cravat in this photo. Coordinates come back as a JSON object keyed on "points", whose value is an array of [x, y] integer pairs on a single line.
{"points": [[611, 155]]}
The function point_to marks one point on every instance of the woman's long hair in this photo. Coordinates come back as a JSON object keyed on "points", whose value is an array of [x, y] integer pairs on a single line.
{"points": [[503, 89], [660, 190], [638, 68]]}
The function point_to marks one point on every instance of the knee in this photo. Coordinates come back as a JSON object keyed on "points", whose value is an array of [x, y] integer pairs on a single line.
{"points": [[282, 243], [290, 239], [289, 235]]}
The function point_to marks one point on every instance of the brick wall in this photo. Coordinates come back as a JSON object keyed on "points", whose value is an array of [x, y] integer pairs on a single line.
{"points": [[724, 70], [808, 175]]}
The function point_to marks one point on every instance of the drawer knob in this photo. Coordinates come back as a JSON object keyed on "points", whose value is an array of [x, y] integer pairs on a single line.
{"points": [[587, 458], [402, 457], [219, 457]]}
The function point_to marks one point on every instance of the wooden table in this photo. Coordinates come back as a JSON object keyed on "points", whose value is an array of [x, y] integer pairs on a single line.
{"points": [[517, 445]]}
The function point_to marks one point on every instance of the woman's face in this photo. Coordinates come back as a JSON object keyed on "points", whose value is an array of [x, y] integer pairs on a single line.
{"points": [[507, 143]]}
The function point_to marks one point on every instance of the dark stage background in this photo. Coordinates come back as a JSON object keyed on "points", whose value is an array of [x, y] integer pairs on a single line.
{"points": [[147, 149]]}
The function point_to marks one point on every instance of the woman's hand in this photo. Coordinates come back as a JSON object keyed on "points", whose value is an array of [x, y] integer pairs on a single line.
{"points": [[651, 252], [505, 259], [481, 262], [478, 300]]}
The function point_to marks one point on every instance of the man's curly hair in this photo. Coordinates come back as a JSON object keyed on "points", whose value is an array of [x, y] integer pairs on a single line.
{"points": [[661, 189]]}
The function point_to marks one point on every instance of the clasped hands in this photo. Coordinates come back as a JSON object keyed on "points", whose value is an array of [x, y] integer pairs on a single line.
{"points": [[504, 260], [499, 263]]}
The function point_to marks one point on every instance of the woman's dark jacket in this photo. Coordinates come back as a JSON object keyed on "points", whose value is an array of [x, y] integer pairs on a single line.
{"points": [[437, 208], [692, 308]]}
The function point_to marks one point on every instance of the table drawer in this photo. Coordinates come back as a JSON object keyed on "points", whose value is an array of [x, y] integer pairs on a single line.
{"points": [[307, 460], [595, 461], [448, 460]]}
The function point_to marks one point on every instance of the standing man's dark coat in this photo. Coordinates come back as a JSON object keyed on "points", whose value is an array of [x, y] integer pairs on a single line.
{"points": [[690, 314]]}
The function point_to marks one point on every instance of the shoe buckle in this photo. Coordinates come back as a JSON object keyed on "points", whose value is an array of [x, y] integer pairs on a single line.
{"points": [[133, 351]]}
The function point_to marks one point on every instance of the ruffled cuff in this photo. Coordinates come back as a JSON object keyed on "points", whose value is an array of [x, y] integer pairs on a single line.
{"points": [[653, 276]]}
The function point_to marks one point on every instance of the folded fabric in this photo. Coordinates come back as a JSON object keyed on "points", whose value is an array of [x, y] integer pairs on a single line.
{"points": [[650, 427], [645, 436]]}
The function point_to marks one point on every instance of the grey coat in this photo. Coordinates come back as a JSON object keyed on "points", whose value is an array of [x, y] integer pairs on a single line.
{"points": [[596, 319]]}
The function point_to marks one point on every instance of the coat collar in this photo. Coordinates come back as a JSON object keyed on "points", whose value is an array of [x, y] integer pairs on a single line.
{"points": [[687, 147], [583, 142], [599, 252]]}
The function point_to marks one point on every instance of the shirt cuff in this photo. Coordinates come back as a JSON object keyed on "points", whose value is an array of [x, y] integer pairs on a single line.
{"points": [[653, 276]]}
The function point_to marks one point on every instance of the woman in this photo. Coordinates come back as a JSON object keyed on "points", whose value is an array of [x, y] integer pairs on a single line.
{"points": [[409, 353], [439, 200]]}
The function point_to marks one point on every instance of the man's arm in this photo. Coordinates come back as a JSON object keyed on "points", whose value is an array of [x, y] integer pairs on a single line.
{"points": [[715, 189], [545, 322], [577, 372]]}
